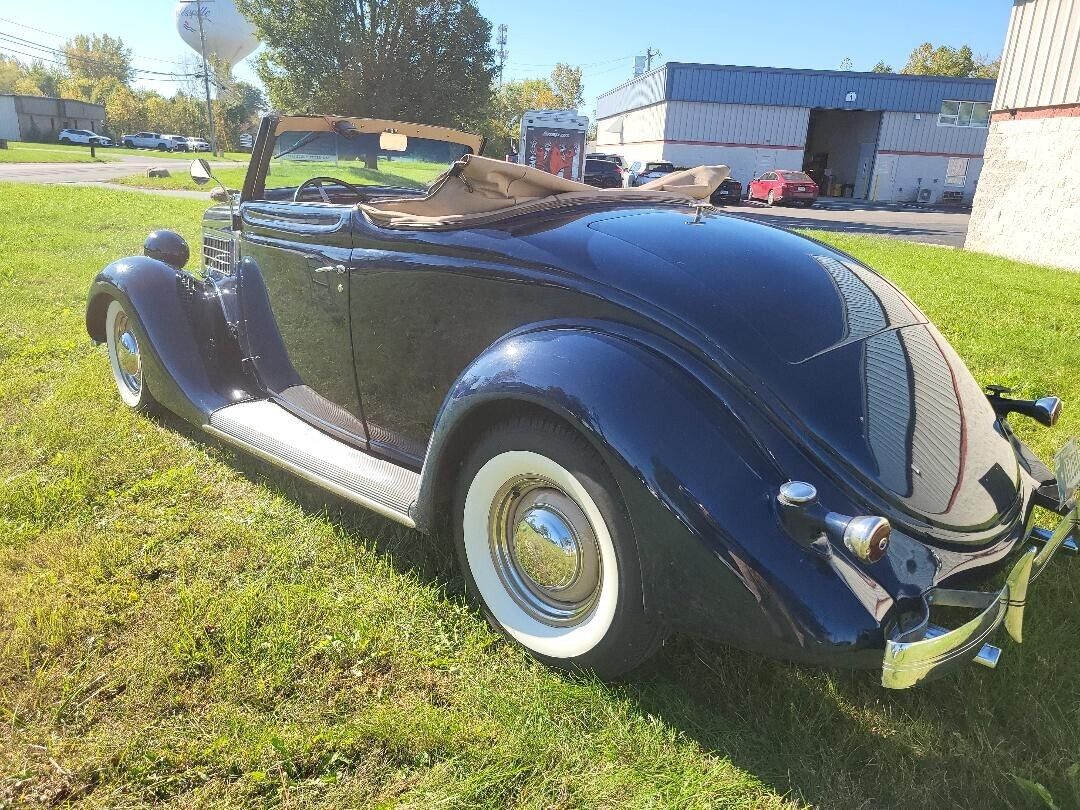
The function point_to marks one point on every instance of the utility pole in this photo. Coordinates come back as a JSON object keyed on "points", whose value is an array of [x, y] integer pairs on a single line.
{"points": [[206, 77], [500, 40], [649, 54]]}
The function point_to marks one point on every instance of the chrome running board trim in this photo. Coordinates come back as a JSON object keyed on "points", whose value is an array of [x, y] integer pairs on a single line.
{"points": [[270, 432]]}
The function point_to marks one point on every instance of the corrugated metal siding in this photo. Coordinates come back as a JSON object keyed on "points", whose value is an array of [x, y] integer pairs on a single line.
{"points": [[635, 126], [736, 123], [808, 88], [728, 84], [638, 92], [1041, 63], [903, 133]]}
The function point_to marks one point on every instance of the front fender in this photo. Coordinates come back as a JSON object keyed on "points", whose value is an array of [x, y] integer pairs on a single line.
{"points": [[699, 487], [188, 361]]}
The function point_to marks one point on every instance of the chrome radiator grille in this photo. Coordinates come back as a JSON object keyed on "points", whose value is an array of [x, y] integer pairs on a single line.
{"points": [[218, 252]]}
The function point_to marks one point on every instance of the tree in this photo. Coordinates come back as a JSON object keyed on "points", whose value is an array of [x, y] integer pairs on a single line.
{"points": [[926, 60], [422, 60], [847, 64], [97, 57], [11, 71], [125, 111], [563, 90], [567, 86], [881, 67]]}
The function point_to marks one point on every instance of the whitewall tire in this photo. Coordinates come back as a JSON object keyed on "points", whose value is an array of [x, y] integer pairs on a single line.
{"points": [[544, 542], [125, 357]]}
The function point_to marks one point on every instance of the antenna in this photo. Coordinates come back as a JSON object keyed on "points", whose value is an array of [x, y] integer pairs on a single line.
{"points": [[649, 54], [500, 40]]}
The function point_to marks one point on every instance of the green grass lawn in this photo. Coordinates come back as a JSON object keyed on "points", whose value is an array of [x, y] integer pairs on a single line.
{"points": [[181, 627], [18, 152], [234, 157], [405, 173]]}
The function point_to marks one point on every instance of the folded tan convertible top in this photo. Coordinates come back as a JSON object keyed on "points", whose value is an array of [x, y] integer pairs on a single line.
{"points": [[483, 188]]}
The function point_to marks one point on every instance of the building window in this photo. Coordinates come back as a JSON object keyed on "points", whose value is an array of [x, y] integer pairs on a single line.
{"points": [[964, 114], [956, 174]]}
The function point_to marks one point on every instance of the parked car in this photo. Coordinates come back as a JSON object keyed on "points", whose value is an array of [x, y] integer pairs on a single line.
{"points": [[179, 143], [83, 136], [784, 186], [603, 174], [611, 157], [637, 415], [149, 140], [642, 172], [197, 145], [729, 192]]}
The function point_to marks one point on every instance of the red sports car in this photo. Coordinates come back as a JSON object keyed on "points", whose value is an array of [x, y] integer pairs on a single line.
{"points": [[784, 186]]}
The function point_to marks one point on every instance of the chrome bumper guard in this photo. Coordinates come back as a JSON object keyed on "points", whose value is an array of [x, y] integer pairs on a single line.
{"points": [[927, 651]]}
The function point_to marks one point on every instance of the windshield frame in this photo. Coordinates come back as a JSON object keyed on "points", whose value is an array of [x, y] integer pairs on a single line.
{"points": [[273, 125]]}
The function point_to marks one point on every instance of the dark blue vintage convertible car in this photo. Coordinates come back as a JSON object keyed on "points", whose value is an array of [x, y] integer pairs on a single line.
{"points": [[636, 415]]}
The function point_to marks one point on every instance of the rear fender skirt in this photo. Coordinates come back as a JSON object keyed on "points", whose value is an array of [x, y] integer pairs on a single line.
{"points": [[699, 489], [190, 360]]}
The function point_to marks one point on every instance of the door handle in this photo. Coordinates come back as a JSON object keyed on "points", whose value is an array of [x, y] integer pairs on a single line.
{"points": [[331, 268]]}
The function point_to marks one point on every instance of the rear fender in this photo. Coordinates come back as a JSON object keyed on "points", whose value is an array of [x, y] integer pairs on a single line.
{"points": [[191, 364], [699, 488]]}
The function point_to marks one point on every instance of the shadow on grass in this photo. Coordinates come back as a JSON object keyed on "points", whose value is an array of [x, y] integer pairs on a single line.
{"points": [[831, 739]]}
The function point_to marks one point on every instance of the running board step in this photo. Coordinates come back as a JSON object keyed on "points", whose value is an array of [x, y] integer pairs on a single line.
{"points": [[270, 432]]}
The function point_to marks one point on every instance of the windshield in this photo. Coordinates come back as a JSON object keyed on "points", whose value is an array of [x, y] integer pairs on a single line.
{"points": [[362, 159]]}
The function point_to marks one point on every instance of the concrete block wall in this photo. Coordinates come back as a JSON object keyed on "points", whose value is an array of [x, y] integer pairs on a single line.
{"points": [[1027, 205]]}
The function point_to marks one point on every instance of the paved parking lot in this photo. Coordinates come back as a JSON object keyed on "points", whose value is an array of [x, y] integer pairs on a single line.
{"points": [[916, 225]]}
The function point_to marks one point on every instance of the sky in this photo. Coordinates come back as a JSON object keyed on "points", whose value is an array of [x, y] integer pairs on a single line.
{"points": [[601, 36]]}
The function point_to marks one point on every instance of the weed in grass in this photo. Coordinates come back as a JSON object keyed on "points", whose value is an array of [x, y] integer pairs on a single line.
{"points": [[181, 626]]}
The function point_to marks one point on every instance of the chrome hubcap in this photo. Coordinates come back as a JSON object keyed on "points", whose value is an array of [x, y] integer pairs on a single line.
{"points": [[545, 551], [128, 362]]}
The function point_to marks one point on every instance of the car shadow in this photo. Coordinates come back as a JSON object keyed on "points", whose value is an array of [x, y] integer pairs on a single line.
{"points": [[909, 232], [824, 738]]}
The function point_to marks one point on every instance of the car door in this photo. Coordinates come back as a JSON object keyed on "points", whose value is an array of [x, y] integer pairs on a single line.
{"points": [[295, 288]]}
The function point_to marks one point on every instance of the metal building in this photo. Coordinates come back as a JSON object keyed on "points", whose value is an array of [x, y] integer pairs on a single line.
{"points": [[39, 118], [1028, 205], [877, 136]]}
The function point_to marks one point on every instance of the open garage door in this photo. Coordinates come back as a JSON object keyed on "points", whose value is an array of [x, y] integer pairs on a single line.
{"points": [[840, 149]]}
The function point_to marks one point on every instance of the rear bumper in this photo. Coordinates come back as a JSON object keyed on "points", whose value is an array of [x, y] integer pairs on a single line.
{"points": [[920, 651]]}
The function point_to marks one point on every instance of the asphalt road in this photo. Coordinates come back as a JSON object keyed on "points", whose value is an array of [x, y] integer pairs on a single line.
{"points": [[934, 227], [125, 164]]}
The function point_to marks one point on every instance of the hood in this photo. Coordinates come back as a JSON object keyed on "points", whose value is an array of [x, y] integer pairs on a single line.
{"points": [[837, 351]]}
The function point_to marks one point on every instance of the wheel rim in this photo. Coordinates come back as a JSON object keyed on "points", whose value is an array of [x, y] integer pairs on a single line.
{"points": [[544, 551], [128, 360]]}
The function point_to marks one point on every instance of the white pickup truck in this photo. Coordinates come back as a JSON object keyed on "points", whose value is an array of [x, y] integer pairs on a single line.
{"points": [[148, 140]]}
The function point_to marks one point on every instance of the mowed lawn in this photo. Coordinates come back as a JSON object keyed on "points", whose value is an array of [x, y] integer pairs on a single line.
{"points": [[21, 152], [180, 626], [281, 174]]}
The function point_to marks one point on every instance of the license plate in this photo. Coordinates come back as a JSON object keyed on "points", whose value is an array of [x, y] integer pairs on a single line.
{"points": [[1067, 467], [801, 188]]}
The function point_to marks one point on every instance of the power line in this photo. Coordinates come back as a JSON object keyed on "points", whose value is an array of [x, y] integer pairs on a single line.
{"points": [[39, 58], [67, 38], [82, 60]]}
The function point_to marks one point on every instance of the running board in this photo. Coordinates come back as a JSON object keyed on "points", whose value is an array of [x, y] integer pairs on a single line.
{"points": [[270, 432]]}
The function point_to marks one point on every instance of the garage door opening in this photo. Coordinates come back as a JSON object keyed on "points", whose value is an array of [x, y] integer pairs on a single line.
{"points": [[840, 148]]}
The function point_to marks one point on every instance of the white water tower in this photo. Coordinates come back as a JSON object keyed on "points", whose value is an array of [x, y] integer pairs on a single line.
{"points": [[227, 33]]}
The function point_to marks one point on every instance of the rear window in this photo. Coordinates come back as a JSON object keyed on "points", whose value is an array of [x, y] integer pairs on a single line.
{"points": [[796, 177], [659, 167], [600, 166]]}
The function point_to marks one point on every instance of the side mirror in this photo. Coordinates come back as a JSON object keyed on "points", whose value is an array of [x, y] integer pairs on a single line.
{"points": [[201, 172]]}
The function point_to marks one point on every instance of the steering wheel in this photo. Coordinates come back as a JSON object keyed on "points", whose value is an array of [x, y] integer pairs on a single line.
{"points": [[317, 182]]}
